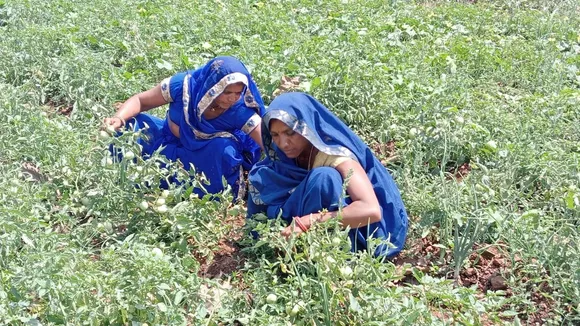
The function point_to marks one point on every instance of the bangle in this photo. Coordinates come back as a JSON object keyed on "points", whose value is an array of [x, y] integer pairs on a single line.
{"points": [[122, 120], [300, 224]]}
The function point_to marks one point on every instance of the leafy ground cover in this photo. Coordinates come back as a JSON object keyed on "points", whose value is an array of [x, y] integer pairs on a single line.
{"points": [[472, 105]]}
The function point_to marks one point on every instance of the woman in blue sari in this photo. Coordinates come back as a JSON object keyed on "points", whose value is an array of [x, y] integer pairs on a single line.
{"points": [[213, 121], [309, 154]]}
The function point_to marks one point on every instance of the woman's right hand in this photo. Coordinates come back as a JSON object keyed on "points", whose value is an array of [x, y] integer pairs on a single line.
{"points": [[136, 104], [114, 122]]}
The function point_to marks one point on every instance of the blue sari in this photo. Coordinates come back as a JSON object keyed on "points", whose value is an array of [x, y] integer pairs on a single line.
{"points": [[279, 186], [219, 147]]}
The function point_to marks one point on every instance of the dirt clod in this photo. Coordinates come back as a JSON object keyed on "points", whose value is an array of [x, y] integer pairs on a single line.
{"points": [[287, 84], [497, 282], [488, 253]]}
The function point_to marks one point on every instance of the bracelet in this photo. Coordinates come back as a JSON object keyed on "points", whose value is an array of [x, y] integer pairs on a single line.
{"points": [[300, 224], [122, 120]]}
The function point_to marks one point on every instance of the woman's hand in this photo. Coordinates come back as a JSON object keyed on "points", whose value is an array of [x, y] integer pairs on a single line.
{"points": [[297, 227], [114, 122], [291, 229]]}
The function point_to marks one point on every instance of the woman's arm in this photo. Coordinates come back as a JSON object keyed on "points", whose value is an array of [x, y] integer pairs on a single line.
{"points": [[136, 104], [363, 210], [256, 135]]}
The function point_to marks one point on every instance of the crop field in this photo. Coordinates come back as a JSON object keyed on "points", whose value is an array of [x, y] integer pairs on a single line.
{"points": [[473, 106]]}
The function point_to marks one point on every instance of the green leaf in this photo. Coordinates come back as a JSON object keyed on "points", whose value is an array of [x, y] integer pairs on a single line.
{"points": [[129, 238], [162, 307], [570, 200], [201, 312], [509, 313], [27, 240], [162, 64], [354, 305], [178, 297]]}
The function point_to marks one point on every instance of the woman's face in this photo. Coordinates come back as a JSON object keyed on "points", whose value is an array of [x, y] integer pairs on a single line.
{"points": [[229, 96], [289, 141]]}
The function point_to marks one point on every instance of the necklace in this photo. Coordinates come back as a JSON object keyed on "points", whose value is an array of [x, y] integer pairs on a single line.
{"points": [[309, 158], [214, 107]]}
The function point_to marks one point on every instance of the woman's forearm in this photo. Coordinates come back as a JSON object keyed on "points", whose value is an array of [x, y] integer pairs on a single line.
{"points": [[355, 215], [256, 135], [141, 102], [130, 108]]}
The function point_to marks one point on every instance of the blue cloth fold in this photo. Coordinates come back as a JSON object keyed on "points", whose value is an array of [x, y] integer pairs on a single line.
{"points": [[279, 186]]}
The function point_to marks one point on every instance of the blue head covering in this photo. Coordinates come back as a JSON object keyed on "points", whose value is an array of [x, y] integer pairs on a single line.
{"points": [[272, 179], [203, 86]]}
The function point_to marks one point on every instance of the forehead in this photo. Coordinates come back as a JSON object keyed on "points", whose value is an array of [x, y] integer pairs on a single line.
{"points": [[278, 126], [237, 87]]}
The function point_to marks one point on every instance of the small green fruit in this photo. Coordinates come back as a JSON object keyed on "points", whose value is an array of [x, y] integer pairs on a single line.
{"points": [[271, 298], [294, 310], [346, 271], [298, 307], [129, 155], [104, 135], [106, 161], [162, 209], [491, 145], [156, 252], [143, 205]]}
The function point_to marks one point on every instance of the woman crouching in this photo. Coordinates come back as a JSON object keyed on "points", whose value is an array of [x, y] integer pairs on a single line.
{"points": [[310, 152]]}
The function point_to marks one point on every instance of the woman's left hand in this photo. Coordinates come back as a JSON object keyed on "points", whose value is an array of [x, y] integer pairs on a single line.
{"points": [[291, 229]]}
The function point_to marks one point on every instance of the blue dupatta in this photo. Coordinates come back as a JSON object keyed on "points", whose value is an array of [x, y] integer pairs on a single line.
{"points": [[198, 89], [274, 179]]}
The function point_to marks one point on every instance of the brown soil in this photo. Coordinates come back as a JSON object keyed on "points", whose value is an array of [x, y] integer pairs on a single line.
{"points": [[59, 107], [32, 172], [228, 258], [385, 152], [461, 172], [543, 305], [287, 84], [487, 268]]}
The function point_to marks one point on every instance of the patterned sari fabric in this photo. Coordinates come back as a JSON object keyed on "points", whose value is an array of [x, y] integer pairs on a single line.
{"points": [[278, 187], [219, 147]]}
